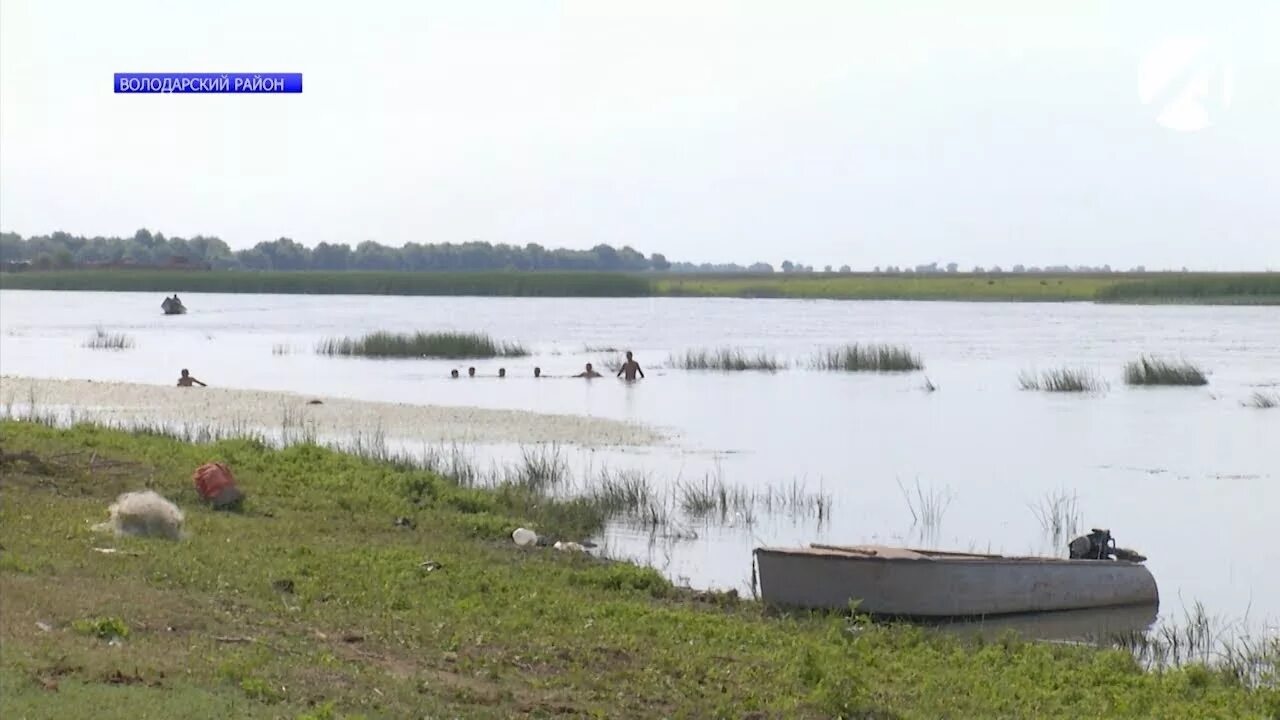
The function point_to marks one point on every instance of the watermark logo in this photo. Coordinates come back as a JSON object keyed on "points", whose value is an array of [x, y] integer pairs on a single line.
{"points": [[1186, 82]]}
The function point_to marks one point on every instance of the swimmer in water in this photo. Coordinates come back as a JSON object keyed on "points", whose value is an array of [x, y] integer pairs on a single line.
{"points": [[471, 372], [454, 373], [588, 373], [537, 372], [502, 372], [187, 380], [631, 368]]}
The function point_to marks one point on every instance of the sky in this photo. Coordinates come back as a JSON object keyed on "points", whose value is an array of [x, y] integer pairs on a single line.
{"points": [[852, 132]]}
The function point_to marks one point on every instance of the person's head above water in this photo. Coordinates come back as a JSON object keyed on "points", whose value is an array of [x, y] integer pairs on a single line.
{"points": [[588, 367], [502, 372], [184, 372], [453, 373], [471, 372], [628, 354], [537, 372]]}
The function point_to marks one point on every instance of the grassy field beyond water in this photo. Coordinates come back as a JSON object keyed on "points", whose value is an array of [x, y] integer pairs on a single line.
{"points": [[354, 588], [1206, 288]]}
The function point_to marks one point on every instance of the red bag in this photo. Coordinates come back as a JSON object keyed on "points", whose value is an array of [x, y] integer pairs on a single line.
{"points": [[216, 484]]}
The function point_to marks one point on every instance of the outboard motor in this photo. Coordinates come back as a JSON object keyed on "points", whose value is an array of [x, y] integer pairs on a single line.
{"points": [[1099, 545]]}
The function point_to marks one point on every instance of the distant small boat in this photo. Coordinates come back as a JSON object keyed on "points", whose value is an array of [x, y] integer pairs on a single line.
{"points": [[904, 582], [173, 306]]}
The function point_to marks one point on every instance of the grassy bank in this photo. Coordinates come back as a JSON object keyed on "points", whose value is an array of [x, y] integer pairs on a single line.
{"points": [[315, 602], [1232, 288]]}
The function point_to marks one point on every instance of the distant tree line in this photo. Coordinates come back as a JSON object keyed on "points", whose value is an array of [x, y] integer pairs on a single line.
{"points": [[61, 250]]}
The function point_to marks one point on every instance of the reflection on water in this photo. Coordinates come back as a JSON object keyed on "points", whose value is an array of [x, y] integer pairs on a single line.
{"points": [[1185, 475], [1068, 626]]}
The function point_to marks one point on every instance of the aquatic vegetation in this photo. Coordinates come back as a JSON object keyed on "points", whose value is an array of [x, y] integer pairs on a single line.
{"points": [[927, 508], [868, 358], [929, 386], [1062, 380], [281, 349], [1200, 642], [1059, 517], [1264, 400], [103, 340], [726, 359], [1157, 371], [421, 344]]}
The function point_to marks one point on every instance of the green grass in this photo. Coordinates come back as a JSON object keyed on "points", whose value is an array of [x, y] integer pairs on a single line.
{"points": [[1245, 288], [1062, 380], [103, 340], [437, 345], [868, 358], [1211, 288], [313, 602], [726, 359], [1157, 371]]}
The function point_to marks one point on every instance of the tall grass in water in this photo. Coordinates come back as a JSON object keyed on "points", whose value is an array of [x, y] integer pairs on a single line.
{"points": [[927, 509], [103, 340], [421, 344], [1205, 640], [868, 358], [1059, 517], [1263, 401], [1156, 371], [731, 359], [1062, 380]]}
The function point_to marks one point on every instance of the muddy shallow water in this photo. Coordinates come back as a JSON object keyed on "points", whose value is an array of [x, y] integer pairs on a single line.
{"points": [[1189, 476]]}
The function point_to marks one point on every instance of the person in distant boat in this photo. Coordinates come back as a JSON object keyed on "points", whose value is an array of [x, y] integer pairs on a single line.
{"points": [[471, 372], [588, 373], [502, 372], [631, 368], [454, 373], [537, 372], [187, 380]]}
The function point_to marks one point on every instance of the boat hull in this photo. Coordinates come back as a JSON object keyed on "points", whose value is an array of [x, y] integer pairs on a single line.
{"points": [[916, 584]]}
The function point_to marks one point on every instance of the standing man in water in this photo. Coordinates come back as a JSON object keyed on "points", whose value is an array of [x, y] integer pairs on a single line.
{"points": [[187, 380], [631, 368]]}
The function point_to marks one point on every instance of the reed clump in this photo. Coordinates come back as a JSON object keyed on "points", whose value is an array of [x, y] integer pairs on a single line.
{"points": [[726, 359], [868, 358], [1264, 401], [1062, 380], [1148, 370], [103, 340], [382, 344]]}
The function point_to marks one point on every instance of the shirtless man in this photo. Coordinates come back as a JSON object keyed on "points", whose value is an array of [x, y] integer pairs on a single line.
{"points": [[631, 368], [187, 380], [588, 373]]}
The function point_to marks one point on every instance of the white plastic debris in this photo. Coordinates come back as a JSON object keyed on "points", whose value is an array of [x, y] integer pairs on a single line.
{"points": [[569, 546], [524, 537], [144, 513]]}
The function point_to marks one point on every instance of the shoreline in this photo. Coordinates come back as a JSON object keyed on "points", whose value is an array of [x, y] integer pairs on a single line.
{"points": [[1214, 288], [116, 402]]}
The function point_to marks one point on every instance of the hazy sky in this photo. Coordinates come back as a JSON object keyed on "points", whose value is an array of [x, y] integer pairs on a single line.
{"points": [[858, 132]]}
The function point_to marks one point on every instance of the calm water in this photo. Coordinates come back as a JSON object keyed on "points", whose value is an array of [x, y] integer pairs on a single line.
{"points": [[1186, 475]]}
